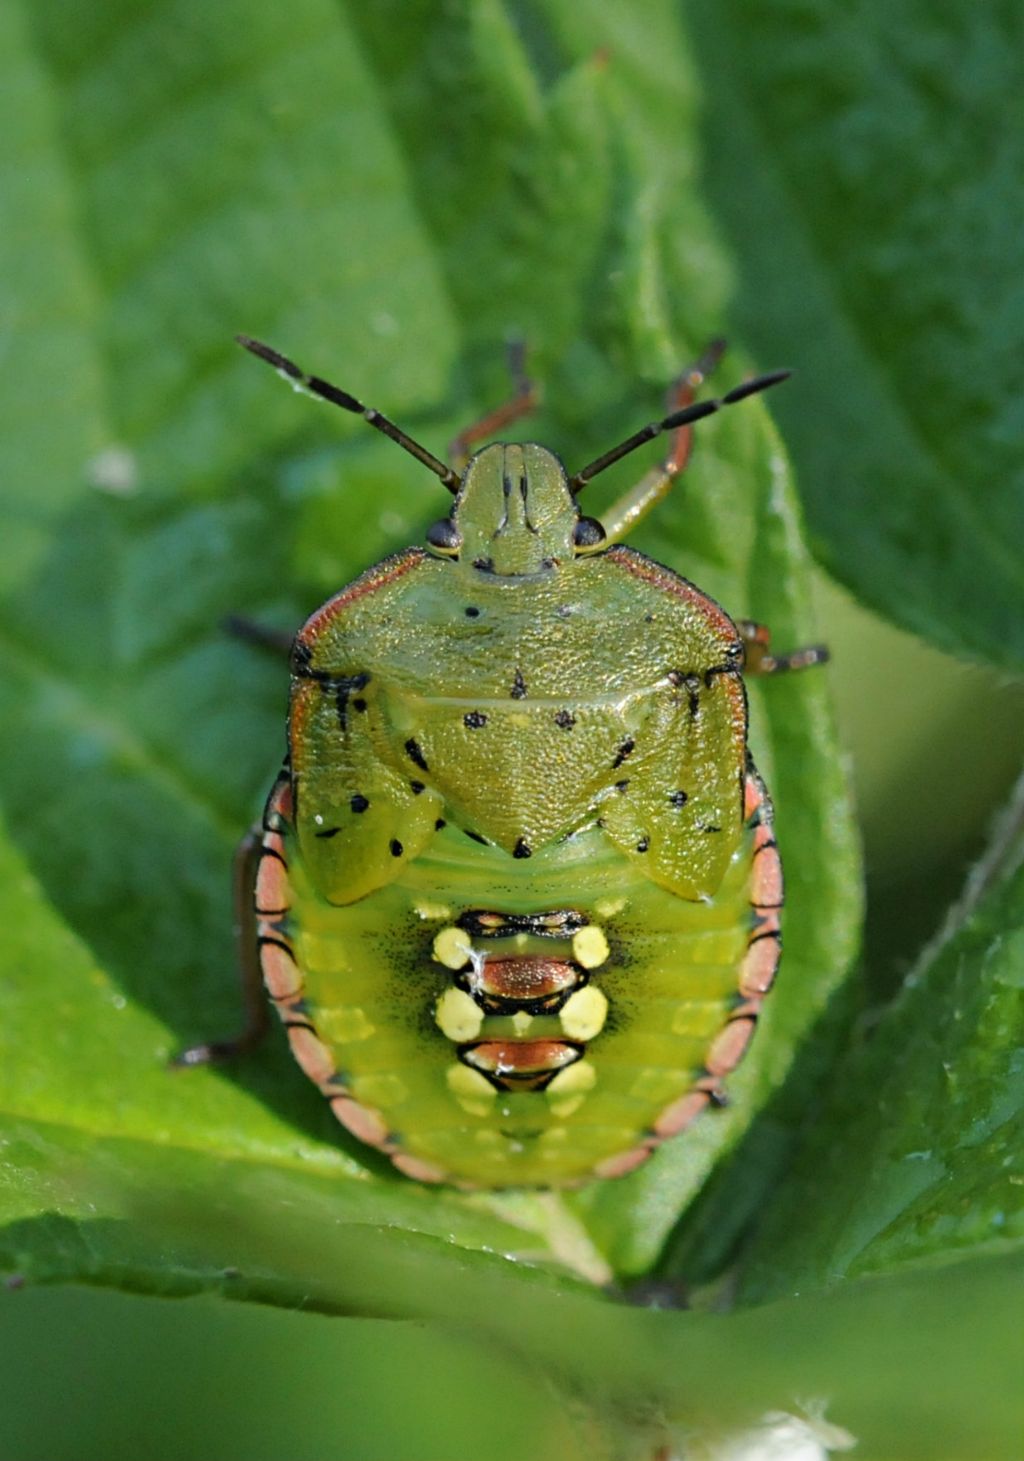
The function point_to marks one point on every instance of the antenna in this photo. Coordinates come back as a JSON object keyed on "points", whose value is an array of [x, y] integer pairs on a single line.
{"points": [[314, 386], [679, 418]]}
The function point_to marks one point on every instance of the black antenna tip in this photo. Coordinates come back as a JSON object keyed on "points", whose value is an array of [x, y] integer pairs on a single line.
{"points": [[271, 356], [751, 387]]}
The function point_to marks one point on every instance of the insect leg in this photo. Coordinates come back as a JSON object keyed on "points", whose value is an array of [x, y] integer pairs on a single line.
{"points": [[278, 641], [622, 516], [254, 1002], [522, 401], [759, 659]]}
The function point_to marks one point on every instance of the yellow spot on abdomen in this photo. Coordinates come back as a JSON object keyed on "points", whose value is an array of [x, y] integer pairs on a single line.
{"points": [[589, 946], [608, 907], [345, 1025], [584, 1013], [458, 1015], [452, 947]]}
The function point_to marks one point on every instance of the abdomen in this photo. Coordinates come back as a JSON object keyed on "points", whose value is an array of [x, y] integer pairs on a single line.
{"points": [[496, 1023]]}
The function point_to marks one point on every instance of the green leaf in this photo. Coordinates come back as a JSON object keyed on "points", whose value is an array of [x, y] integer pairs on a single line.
{"points": [[387, 192], [868, 167], [912, 1368], [284, 174], [916, 1157]]}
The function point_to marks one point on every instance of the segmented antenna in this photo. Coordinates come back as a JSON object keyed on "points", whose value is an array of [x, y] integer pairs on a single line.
{"points": [[315, 386], [683, 417]]}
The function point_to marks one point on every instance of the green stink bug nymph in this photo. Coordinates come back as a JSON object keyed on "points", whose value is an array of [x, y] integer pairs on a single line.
{"points": [[515, 894]]}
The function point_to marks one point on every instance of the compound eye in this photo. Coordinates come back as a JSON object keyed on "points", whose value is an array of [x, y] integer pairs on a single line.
{"points": [[444, 536], [588, 533]]}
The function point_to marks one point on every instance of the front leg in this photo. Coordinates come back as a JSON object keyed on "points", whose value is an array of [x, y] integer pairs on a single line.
{"points": [[758, 659], [622, 516], [277, 641]]}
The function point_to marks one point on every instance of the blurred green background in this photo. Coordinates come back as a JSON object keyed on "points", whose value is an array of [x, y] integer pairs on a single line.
{"points": [[388, 189]]}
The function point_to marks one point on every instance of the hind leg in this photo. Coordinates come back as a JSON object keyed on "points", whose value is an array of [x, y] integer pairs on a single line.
{"points": [[759, 659]]}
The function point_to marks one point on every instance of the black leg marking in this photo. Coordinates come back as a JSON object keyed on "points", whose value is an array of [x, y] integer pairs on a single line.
{"points": [[474, 720], [565, 719], [358, 802]]}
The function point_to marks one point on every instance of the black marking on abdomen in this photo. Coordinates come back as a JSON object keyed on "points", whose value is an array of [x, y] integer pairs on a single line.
{"points": [[553, 923], [626, 749], [283, 944], [341, 687], [415, 755]]}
